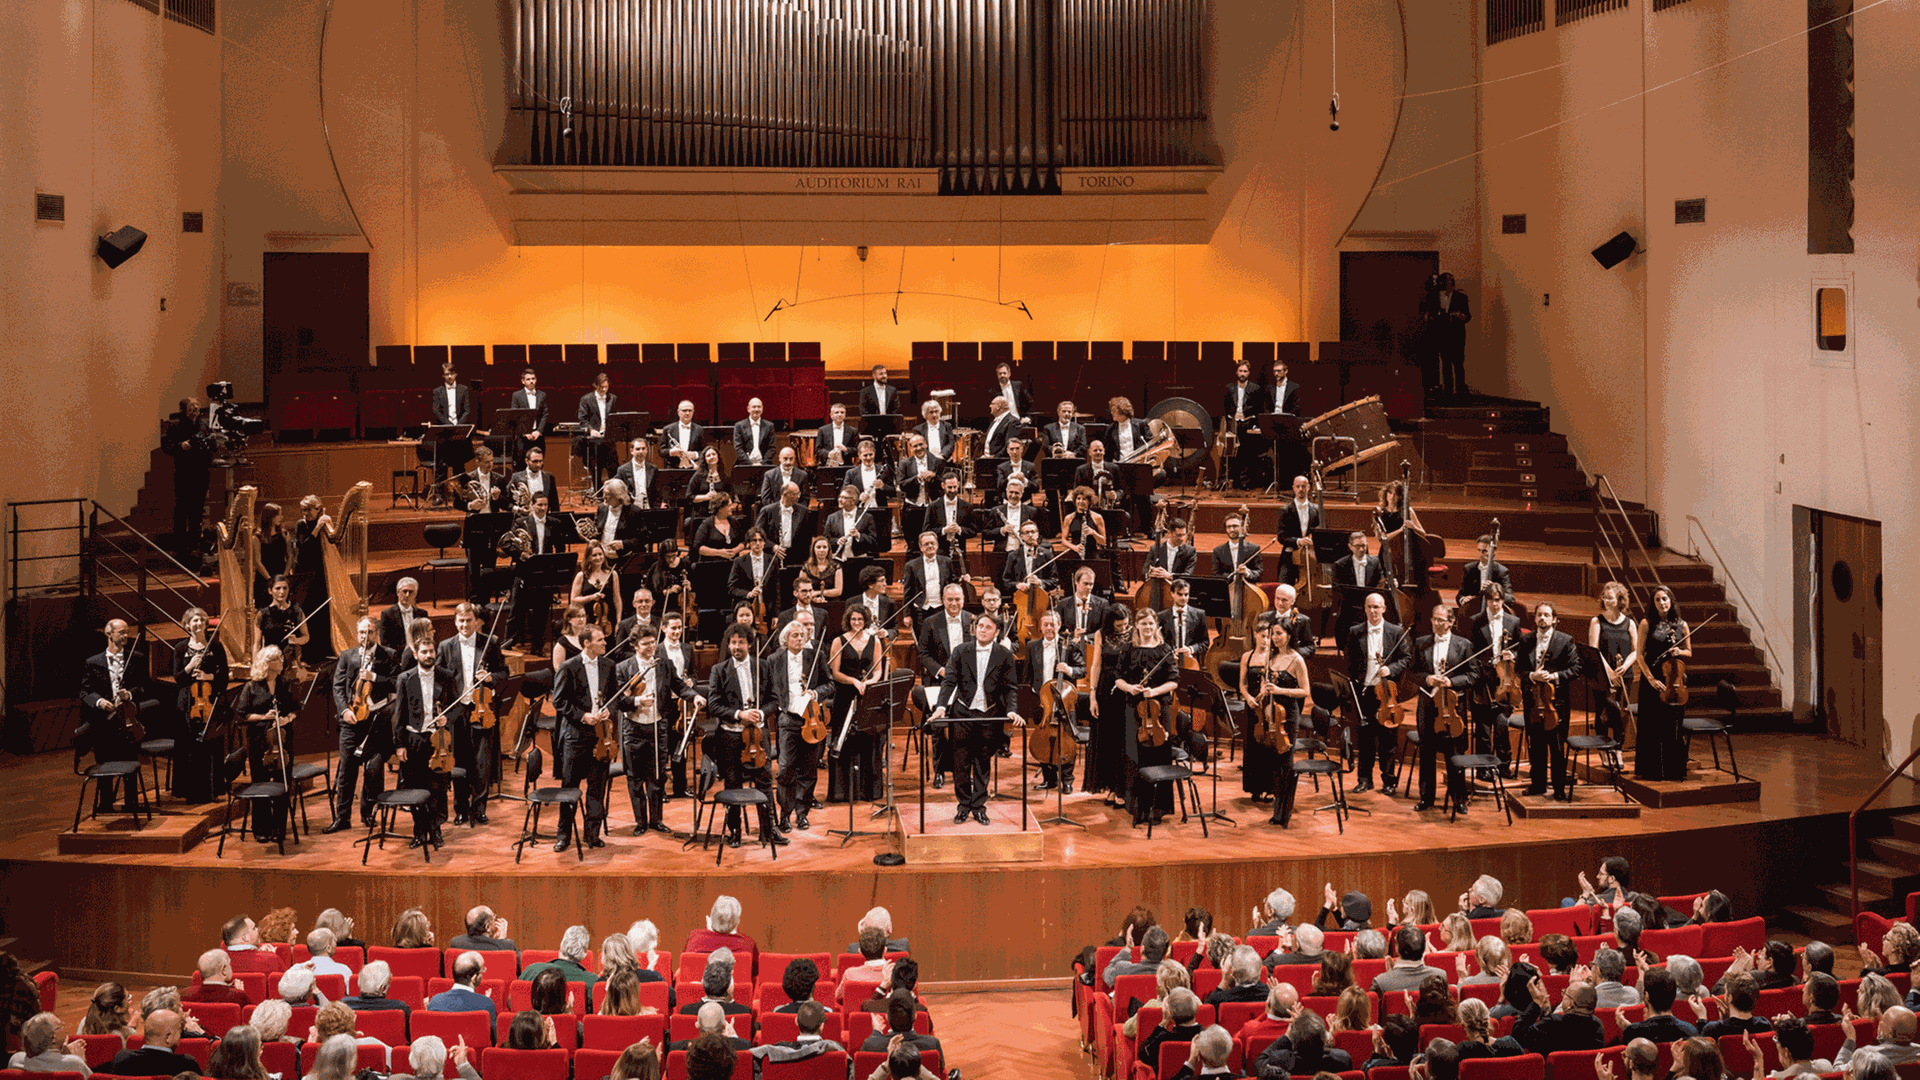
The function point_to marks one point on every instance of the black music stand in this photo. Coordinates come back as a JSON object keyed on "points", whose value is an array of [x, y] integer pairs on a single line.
{"points": [[1199, 690], [1056, 473], [828, 480], [873, 715], [744, 482], [433, 450], [1349, 694], [656, 526], [1211, 595], [913, 521], [511, 426], [1278, 426], [624, 427], [947, 721], [672, 484]]}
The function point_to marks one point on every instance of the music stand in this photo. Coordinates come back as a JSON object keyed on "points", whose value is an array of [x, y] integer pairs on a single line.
{"points": [[1211, 595], [744, 482], [1056, 473], [1349, 694], [433, 450], [1200, 690], [874, 714], [913, 521], [624, 427], [672, 484], [511, 426], [1278, 426]]}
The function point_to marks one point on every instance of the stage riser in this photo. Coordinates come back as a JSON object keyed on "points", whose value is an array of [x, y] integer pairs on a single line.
{"points": [[968, 923], [1458, 526]]}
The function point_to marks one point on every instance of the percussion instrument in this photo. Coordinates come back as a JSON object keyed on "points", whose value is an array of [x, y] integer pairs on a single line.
{"points": [[1363, 421]]}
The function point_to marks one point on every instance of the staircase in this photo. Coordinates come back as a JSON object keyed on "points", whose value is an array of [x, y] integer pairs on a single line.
{"points": [[1889, 870]]}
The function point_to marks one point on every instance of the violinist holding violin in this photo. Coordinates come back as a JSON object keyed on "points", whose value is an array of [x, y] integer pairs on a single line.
{"points": [[424, 699], [200, 671], [1377, 653], [1051, 657], [734, 693], [654, 691], [1660, 752], [1274, 683], [1496, 630], [1547, 664], [265, 704], [1442, 663], [583, 693], [475, 661], [795, 681], [362, 691], [1147, 677]]}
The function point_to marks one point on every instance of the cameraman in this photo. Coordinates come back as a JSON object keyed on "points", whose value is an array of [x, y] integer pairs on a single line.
{"points": [[184, 438], [1444, 357]]}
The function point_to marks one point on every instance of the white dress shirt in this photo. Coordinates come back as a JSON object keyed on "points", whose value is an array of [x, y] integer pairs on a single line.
{"points": [[796, 685], [1376, 644], [453, 405], [1440, 647], [469, 646], [982, 654]]}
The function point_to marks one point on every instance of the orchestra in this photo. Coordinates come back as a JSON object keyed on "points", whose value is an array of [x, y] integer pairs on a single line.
{"points": [[758, 611]]}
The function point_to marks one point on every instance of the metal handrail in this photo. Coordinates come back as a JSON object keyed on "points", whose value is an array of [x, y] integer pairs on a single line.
{"points": [[1599, 480], [14, 558], [1853, 834], [1758, 622], [145, 539], [141, 588]]}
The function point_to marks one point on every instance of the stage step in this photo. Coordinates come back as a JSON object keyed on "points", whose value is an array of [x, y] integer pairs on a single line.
{"points": [[1702, 787], [1887, 878], [1589, 801], [1906, 826], [1840, 896], [1821, 924]]}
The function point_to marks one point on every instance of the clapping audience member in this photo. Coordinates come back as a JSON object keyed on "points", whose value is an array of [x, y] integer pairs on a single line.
{"points": [[1560, 954], [1542, 1030], [1352, 911], [861, 979], [903, 975], [1686, 976], [1477, 1022], [1395, 1042], [1273, 913], [1369, 945], [167, 998], [1410, 967], [1153, 949], [1626, 932], [1609, 967], [1772, 967], [375, 978], [1456, 933], [1335, 975], [1796, 1050], [1494, 958], [216, 982], [1875, 996], [486, 932], [1197, 925], [881, 919], [1698, 1058], [571, 963], [1283, 1000], [1244, 980], [1482, 898], [1419, 910], [464, 995], [1820, 994], [529, 1030], [644, 938], [41, 1051], [1353, 1011], [712, 1019], [1433, 1003], [1208, 1056], [1711, 907], [296, 987], [1660, 1026], [903, 1063], [1170, 975], [342, 926], [1302, 1051], [1737, 1011], [1304, 946], [722, 931], [1213, 952], [900, 1013], [241, 938], [1176, 1025], [1893, 1038]]}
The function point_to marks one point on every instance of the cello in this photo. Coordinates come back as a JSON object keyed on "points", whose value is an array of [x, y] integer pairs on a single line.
{"points": [[1045, 742]]}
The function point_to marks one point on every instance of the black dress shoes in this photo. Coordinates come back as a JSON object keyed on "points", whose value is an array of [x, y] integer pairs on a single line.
{"points": [[1423, 805], [478, 819], [1043, 785], [417, 841], [340, 825], [816, 804], [660, 826], [980, 816], [1537, 792], [802, 823], [780, 839], [939, 780], [460, 819], [733, 841], [1365, 784], [562, 843], [595, 842], [639, 830], [1066, 787], [960, 816]]}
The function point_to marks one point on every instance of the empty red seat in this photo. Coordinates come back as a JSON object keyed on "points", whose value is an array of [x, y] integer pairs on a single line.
{"points": [[498, 1061], [620, 1032], [828, 1066], [1720, 939], [475, 1027], [421, 963]]}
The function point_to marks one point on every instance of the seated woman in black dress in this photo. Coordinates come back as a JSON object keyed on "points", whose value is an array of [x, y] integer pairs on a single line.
{"points": [[264, 704]]}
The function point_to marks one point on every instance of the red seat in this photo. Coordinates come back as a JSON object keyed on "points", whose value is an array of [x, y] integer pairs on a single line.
{"points": [[742, 1065], [866, 1061], [694, 964], [387, 1025], [498, 1061], [1487, 992], [253, 982], [1785, 999], [197, 1049], [1263, 943], [1299, 976], [1739, 1063], [1234, 1014], [1357, 1044], [1579, 1063], [365, 1057], [1484, 927], [48, 983], [1450, 1032], [216, 1017], [620, 1032], [566, 1030], [1571, 921], [1613, 1020], [1129, 991], [1524, 1067], [1206, 981], [475, 1027], [281, 1057], [1680, 940], [785, 1027], [421, 963], [1720, 939], [502, 964], [595, 1064], [1175, 1054], [1592, 943], [828, 1066], [653, 995], [1365, 971], [331, 987], [301, 1021], [774, 965], [22, 1074]]}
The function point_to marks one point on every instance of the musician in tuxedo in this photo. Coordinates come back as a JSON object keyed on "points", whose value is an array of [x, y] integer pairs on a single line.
{"points": [[736, 693], [794, 680], [119, 674], [1377, 652], [1016, 463], [804, 610], [1096, 466], [184, 438], [863, 523], [1183, 626], [648, 710], [1447, 313], [1496, 630], [937, 430], [787, 524], [871, 478], [1015, 394], [1441, 659], [1547, 658], [951, 518], [618, 524], [979, 682], [530, 396], [918, 474], [1050, 657], [1238, 554], [878, 398], [528, 622], [788, 471], [1298, 518], [398, 618], [1172, 555], [1029, 565], [752, 578], [1081, 612], [926, 576], [449, 404], [682, 441], [535, 478], [1004, 518], [423, 695], [1475, 575], [1002, 426], [639, 475], [590, 443], [836, 441], [474, 660], [1300, 635], [873, 596], [1354, 576], [936, 638], [493, 499], [364, 744], [753, 436], [678, 652], [1285, 394], [1065, 437], [1243, 400], [1128, 435], [584, 690]]}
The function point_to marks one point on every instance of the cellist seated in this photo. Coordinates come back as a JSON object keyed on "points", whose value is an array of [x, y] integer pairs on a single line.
{"points": [[1052, 659]]}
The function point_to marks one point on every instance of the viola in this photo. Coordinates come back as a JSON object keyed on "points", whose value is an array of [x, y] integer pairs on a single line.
{"points": [[1544, 709], [1673, 672], [1508, 692], [1392, 711], [600, 614], [1155, 720], [200, 705], [813, 722], [362, 696], [1274, 721], [128, 713], [1446, 712]]}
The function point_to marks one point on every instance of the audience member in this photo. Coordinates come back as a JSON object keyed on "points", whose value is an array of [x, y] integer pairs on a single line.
{"points": [[1477, 1022], [1153, 949], [1304, 946], [880, 919], [1515, 927], [412, 930], [900, 1013], [1710, 907], [1492, 955], [1335, 974], [861, 979], [723, 931], [1170, 974], [1353, 1011], [335, 1060], [903, 1063], [1742, 995], [903, 975], [1698, 1058], [1686, 976], [297, 988], [797, 982], [1875, 996], [375, 978], [711, 1019], [622, 997], [465, 995], [1818, 957], [1795, 1041], [1574, 1027], [1560, 954], [1870, 1064], [810, 1017], [1660, 1026], [158, 1057], [334, 1018], [1395, 1042], [320, 946], [1176, 1025], [1302, 1051], [342, 927], [1893, 1038], [1197, 925], [1208, 1056], [529, 1030], [280, 927], [1273, 914], [572, 961], [1641, 1057], [1456, 933], [1410, 968], [641, 1061], [1434, 1003], [241, 938], [1626, 933], [550, 994], [1419, 910], [270, 1019], [716, 986], [1820, 995], [237, 1056], [1369, 945], [1354, 910], [644, 939], [486, 932], [1244, 979], [41, 1050], [216, 982], [109, 1012], [1482, 898], [709, 1058]]}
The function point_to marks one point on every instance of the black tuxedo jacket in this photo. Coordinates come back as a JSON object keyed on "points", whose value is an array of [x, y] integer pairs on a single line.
{"points": [[571, 700], [1019, 564], [1257, 400], [938, 519], [410, 714], [1069, 609], [463, 405], [726, 696], [1562, 664], [96, 683], [1195, 632], [393, 627], [1084, 474], [490, 480], [1184, 558], [998, 431], [824, 443], [1021, 403], [668, 688], [546, 485], [740, 580], [907, 478], [1224, 559], [1450, 330], [882, 482], [1300, 635], [743, 438], [1289, 531], [1074, 438], [771, 482], [880, 616], [864, 525], [768, 521], [1289, 398], [1005, 469], [1065, 652], [964, 677], [587, 415], [631, 524], [889, 400], [346, 675], [916, 584], [543, 423], [1142, 435], [1483, 636], [1471, 581], [648, 480], [930, 640], [1460, 674], [945, 438], [548, 542], [447, 657], [1397, 656], [773, 676], [1371, 574], [670, 438]]}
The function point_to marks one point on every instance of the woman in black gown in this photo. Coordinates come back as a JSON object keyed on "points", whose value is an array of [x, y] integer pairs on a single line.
{"points": [[1617, 639], [200, 661], [1274, 670], [271, 546], [1146, 676], [596, 588], [1660, 752], [265, 701], [706, 483], [855, 665], [274, 626], [1084, 530], [1106, 768]]}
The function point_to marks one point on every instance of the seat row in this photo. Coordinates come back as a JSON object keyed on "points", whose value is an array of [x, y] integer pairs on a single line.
{"points": [[496, 1063], [429, 963]]}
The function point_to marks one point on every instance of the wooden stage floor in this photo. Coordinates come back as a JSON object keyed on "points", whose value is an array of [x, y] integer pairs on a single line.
{"points": [[1003, 923]]}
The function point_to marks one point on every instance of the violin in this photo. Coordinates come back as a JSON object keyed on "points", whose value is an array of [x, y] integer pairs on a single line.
{"points": [[605, 743], [363, 696], [1446, 712], [1391, 713], [128, 713], [1544, 709], [753, 733], [441, 760], [483, 715], [600, 614], [1155, 714], [813, 722], [1508, 692], [200, 706], [1271, 728], [1673, 672]]}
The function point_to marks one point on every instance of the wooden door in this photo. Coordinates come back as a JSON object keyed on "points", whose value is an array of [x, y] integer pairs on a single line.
{"points": [[1849, 629]]}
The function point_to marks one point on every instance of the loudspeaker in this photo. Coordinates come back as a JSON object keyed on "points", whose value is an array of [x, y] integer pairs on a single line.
{"points": [[1614, 252], [120, 245]]}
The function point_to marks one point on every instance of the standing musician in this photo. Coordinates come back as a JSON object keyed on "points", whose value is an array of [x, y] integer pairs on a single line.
{"points": [[395, 620], [1376, 652], [936, 429], [535, 479], [1143, 679], [1547, 657], [1172, 555], [978, 682], [1300, 636], [788, 473], [280, 623], [939, 637], [1475, 575], [1065, 437], [530, 397], [879, 399], [596, 589], [787, 524], [639, 475], [1182, 626], [621, 529], [449, 405], [853, 519], [199, 662], [1273, 672], [1496, 630], [836, 440], [1095, 467], [1085, 529], [803, 609], [423, 693], [828, 578], [1614, 635], [751, 578], [118, 675], [184, 438], [1002, 426], [365, 741], [871, 479], [1106, 714], [1285, 396], [856, 661], [683, 439], [669, 581], [1016, 395], [735, 693], [1660, 746], [950, 517], [679, 653], [474, 660], [1013, 512], [621, 642], [708, 484], [481, 491], [583, 693], [1447, 313], [992, 603], [1029, 564], [718, 536], [873, 596], [927, 576], [265, 703], [1440, 659], [532, 606], [1354, 576], [590, 443], [1052, 657], [1298, 519], [1129, 436], [1081, 612], [753, 437], [309, 578], [1244, 400], [1238, 554], [918, 476], [647, 722], [1016, 463], [793, 683]]}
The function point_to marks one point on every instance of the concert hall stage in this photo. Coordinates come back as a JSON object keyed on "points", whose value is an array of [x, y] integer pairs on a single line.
{"points": [[975, 923]]}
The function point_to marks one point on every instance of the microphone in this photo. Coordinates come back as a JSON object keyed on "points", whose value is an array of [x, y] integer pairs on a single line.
{"points": [[1333, 110], [1023, 308]]}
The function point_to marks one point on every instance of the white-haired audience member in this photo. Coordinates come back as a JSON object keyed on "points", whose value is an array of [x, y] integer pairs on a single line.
{"points": [[373, 982], [881, 919], [428, 1059], [574, 944], [722, 931], [40, 1049]]}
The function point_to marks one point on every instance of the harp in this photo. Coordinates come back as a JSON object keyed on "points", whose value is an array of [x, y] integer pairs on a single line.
{"points": [[343, 557], [235, 549]]}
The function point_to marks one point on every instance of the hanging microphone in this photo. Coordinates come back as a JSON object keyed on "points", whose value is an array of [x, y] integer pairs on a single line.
{"points": [[1333, 110]]}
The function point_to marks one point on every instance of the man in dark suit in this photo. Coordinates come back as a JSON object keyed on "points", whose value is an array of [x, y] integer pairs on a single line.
{"points": [[1238, 555], [449, 404], [788, 471], [900, 1010], [1285, 393], [979, 681], [752, 577], [1096, 466], [1179, 1026], [1081, 612], [479, 545], [1051, 657], [871, 478], [618, 524], [1542, 1030], [108, 679], [1447, 313], [926, 576], [712, 1022], [804, 606], [1002, 427], [1018, 399], [590, 443], [158, 1057], [1245, 399], [1475, 575], [536, 479], [861, 522], [528, 621], [1298, 518], [1065, 437], [1184, 626], [583, 692], [1547, 658], [1377, 651], [475, 661], [936, 429], [1496, 630], [735, 693], [794, 681], [641, 478], [362, 747], [1026, 565], [648, 711], [424, 694], [397, 619], [753, 437], [1016, 463], [836, 437], [787, 524], [531, 397], [184, 438], [937, 637], [1172, 555], [1354, 576], [950, 517], [878, 398], [918, 474], [682, 441], [1440, 659], [1300, 635]]}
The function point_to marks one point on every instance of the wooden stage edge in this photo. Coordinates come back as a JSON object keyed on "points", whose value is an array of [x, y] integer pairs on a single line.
{"points": [[971, 924]]}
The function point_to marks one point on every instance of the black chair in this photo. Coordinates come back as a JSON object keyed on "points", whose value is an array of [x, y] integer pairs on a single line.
{"points": [[303, 772], [157, 749], [1727, 696], [742, 797], [1588, 745], [537, 798], [1183, 788], [106, 772], [1474, 768], [443, 535], [260, 793], [386, 806]]}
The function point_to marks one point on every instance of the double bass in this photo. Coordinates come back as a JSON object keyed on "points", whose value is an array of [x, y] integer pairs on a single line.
{"points": [[1306, 561], [1047, 741]]}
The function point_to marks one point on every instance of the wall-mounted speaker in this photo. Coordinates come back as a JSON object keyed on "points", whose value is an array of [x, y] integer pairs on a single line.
{"points": [[1614, 252], [120, 245]]}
